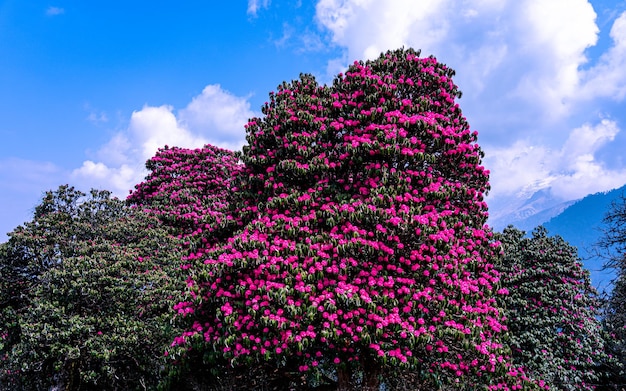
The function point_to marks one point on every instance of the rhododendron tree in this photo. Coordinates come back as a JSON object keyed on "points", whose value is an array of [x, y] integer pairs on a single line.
{"points": [[193, 194], [89, 285], [555, 334], [365, 252], [190, 191]]}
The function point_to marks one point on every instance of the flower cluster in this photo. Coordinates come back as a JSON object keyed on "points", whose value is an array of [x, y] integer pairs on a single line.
{"points": [[191, 190]]}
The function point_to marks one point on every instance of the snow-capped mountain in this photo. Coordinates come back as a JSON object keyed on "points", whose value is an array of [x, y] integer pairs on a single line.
{"points": [[526, 211]]}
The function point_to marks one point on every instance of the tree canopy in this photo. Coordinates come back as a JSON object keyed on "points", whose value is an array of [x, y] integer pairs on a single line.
{"points": [[87, 291], [363, 249], [553, 311], [191, 191]]}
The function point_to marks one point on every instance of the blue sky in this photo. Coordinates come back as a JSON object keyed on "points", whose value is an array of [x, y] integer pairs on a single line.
{"points": [[89, 90]]}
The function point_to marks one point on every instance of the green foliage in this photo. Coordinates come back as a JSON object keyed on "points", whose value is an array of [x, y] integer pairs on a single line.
{"points": [[91, 283], [552, 311], [190, 192]]}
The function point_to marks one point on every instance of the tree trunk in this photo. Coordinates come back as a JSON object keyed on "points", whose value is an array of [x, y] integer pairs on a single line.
{"points": [[371, 375], [344, 377]]}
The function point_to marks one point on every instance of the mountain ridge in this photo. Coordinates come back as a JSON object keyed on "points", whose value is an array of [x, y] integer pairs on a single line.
{"points": [[579, 222]]}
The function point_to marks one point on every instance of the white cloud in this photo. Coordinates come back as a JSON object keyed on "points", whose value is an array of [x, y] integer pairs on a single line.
{"points": [[153, 127], [519, 168], [367, 27], [563, 27], [255, 5], [115, 151], [53, 11], [608, 77], [582, 172], [588, 139], [556, 35], [514, 49], [219, 116], [117, 179], [571, 171], [587, 176], [215, 116]]}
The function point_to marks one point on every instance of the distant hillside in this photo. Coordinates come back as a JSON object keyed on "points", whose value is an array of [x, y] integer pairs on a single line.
{"points": [[581, 225], [581, 222]]}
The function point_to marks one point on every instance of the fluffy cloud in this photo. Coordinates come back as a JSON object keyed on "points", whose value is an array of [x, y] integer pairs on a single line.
{"points": [[581, 172], [218, 116], [556, 35], [519, 168], [215, 116], [571, 172], [117, 179], [530, 49], [154, 127], [608, 77], [367, 27]]}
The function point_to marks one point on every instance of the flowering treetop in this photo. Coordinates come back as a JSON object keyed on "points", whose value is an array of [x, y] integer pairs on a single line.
{"points": [[191, 190]]}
